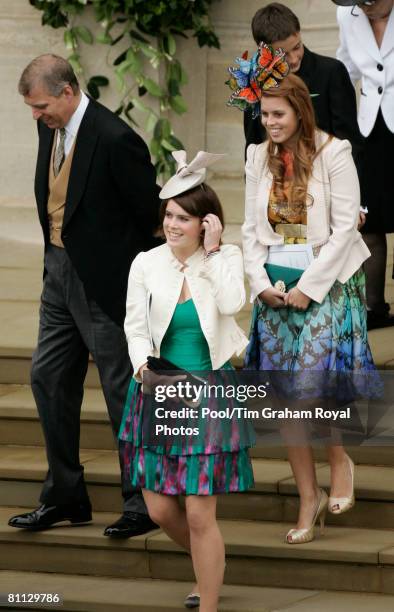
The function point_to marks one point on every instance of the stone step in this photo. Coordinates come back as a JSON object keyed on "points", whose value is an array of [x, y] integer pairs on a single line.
{"points": [[365, 455], [274, 498], [15, 361], [349, 559], [19, 424], [117, 595], [18, 339], [100, 594], [15, 369]]}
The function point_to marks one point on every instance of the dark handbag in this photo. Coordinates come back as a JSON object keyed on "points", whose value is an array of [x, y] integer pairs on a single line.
{"points": [[289, 276], [159, 364]]}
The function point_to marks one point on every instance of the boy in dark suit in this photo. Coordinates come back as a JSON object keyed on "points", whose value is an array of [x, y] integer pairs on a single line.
{"points": [[327, 79]]}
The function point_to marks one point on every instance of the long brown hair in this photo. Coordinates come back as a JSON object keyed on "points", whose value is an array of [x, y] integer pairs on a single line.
{"points": [[294, 90]]}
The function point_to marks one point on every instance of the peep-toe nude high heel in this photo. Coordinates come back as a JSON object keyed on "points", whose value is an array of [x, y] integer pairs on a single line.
{"points": [[302, 536], [339, 505]]}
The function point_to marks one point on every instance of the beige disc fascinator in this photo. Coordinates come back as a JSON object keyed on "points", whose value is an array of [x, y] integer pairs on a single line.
{"points": [[188, 175]]}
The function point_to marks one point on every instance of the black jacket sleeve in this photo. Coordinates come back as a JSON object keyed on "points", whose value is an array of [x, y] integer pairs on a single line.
{"points": [[135, 177], [343, 108]]}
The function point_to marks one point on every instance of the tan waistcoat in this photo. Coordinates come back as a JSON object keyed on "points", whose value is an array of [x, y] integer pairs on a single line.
{"points": [[57, 195]]}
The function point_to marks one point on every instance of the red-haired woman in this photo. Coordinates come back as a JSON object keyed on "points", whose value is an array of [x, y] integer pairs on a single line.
{"points": [[302, 187]]}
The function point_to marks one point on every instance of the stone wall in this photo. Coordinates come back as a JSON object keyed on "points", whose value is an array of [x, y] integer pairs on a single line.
{"points": [[209, 123]]}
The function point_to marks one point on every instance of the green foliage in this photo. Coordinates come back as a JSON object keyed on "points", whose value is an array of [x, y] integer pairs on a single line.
{"points": [[148, 29]]}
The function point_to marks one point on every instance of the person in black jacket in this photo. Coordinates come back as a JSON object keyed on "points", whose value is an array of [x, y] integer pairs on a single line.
{"points": [[97, 203], [332, 92]]}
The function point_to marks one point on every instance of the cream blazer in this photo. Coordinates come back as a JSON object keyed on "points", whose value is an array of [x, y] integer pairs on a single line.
{"points": [[367, 62], [217, 288], [332, 219]]}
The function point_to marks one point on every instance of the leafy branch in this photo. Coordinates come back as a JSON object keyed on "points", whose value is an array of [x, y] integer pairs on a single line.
{"points": [[146, 32]]}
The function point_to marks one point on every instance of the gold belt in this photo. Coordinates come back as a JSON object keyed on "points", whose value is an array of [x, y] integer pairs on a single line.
{"points": [[292, 232]]}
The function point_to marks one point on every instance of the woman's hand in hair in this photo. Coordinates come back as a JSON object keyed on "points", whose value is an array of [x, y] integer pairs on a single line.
{"points": [[213, 231], [273, 297], [296, 299]]}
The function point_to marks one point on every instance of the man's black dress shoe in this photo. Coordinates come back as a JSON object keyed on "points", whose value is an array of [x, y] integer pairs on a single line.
{"points": [[45, 516], [376, 320], [130, 524]]}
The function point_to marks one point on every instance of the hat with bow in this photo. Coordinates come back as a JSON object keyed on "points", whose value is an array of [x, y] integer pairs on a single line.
{"points": [[188, 175]]}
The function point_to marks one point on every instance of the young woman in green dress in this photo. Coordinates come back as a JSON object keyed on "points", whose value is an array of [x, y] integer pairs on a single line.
{"points": [[180, 305]]}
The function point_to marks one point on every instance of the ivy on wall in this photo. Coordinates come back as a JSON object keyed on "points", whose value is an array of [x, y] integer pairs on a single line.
{"points": [[144, 31]]}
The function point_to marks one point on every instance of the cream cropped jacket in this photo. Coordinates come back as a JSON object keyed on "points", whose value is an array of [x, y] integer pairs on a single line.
{"points": [[217, 288], [332, 219]]}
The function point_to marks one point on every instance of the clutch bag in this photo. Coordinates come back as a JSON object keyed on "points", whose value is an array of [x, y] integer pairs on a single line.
{"points": [[160, 364], [282, 277], [286, 264]]}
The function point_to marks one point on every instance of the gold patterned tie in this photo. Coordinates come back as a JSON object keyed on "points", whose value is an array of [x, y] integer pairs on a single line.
{"points": [[59, 153]]}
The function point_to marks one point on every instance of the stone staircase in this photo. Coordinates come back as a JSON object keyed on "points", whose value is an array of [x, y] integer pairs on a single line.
{"points": [[350, 567], [355, 555]]}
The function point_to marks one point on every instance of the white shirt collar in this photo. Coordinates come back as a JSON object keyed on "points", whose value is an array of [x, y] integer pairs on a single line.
{"points": [[72, 126]]}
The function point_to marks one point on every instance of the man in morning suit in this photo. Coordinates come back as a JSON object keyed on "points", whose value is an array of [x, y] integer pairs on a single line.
{"points": [[97, 203], [332, 92]]}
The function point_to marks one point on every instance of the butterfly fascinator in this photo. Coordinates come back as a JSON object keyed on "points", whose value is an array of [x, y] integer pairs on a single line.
{"points": [[251, 77]]}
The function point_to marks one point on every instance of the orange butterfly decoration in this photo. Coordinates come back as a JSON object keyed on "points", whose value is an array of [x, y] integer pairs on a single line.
{"points": [[265, 70]]}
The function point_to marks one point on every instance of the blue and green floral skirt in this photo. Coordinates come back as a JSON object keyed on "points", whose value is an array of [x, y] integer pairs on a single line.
{"points": [[331, 336]]}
